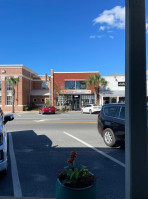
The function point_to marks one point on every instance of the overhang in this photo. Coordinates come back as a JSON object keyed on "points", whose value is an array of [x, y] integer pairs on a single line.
{"points": [[113, 93], [39, 93]]}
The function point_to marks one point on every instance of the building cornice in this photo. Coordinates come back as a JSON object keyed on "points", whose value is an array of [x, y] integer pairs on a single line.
{"points": [[79, 72], [18, 66]]}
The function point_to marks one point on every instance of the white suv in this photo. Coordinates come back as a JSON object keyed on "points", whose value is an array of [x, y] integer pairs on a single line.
{"points": [[3, 142], [91, 108]]}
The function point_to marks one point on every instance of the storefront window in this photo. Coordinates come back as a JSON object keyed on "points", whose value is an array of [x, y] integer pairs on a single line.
{"points": [[80, 85], [69, 85], [9, 94], [75, 85]]}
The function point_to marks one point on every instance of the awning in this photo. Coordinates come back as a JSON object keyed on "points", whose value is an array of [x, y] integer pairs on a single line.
{"points": [[113, 93], [40, 93]]}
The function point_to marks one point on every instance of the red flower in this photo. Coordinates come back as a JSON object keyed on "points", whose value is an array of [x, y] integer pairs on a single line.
{"points": [[70, 160], [73, 154]]}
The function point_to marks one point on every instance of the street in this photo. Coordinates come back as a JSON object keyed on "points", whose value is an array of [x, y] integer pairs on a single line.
{"points": [[39, 146]]}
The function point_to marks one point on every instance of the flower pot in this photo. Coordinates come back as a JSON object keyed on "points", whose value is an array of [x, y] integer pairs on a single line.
{"points": [[64, 192]]}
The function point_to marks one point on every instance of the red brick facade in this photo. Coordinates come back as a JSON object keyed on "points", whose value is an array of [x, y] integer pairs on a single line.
{"points": [[33, 88], [28, 87], [58, 84]]}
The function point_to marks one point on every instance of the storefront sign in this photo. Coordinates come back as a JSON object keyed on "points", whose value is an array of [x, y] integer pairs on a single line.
{"points": [[121, 83], [76, 92]]}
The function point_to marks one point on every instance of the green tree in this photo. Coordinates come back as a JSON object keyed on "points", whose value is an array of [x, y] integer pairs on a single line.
{"points": [[13, 82], [96, 80]]}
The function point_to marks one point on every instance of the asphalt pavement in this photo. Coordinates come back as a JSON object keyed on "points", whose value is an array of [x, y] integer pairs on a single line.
{"points": [[40, 146]]}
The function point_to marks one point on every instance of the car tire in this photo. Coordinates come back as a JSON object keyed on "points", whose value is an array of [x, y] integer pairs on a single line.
{"points": [[90, 111], [109, 137]]}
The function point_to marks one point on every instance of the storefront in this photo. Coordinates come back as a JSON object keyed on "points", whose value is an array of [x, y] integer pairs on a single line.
{"points": [[75, 99], [115, 90], [70, 89]]}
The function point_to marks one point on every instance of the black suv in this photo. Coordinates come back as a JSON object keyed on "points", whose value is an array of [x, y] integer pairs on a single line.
{"points": [[111, 124]]}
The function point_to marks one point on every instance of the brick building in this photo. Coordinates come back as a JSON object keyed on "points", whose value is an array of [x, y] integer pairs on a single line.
{"points": [[32, 87], [69, 88]]}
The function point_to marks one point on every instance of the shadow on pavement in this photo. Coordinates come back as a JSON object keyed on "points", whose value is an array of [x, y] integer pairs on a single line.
{"points": [[38, 162]]}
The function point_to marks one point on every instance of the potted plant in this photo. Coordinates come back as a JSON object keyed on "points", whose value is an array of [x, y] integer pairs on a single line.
{"points": [[75, 183]]}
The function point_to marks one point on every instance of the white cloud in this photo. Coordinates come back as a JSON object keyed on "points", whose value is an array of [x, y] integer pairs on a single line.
{"points": [[99, 36], [113, 18], [102, 28], [112, 37], [110, 31], [92, 36]]}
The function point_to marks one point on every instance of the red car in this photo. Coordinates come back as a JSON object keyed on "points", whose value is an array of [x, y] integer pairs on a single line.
{"points": [[47, 109]]}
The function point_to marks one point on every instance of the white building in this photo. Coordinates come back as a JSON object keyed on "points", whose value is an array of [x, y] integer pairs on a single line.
{"points": [[114, 91]]}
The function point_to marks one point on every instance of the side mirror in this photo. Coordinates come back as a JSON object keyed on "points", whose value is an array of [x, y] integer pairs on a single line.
{"points": [[8, 117]]}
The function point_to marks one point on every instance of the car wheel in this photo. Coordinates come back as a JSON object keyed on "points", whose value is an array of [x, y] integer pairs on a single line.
{"points": [[109, 137], [90, 111]]}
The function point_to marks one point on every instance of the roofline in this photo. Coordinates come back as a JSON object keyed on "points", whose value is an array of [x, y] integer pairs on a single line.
{"points": [[80, 72], [18, 66]]}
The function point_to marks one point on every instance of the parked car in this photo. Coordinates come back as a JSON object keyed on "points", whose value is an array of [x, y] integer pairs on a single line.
{"points": [[111, 124], [3, 142], [91, 108], [47, 109]]}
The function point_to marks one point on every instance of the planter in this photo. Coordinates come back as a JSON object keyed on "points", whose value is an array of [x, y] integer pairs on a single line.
{"points": [[63, 192]]}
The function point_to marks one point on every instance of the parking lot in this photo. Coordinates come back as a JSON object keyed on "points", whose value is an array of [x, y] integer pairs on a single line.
{"points": [[39, 146]]}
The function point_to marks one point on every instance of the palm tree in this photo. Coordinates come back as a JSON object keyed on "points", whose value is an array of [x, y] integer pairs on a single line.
{"points": [[96, 80], [13, 82]]}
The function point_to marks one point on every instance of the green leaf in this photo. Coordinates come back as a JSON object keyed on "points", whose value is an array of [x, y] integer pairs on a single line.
{"points": [[81, 167], [76, 174]]}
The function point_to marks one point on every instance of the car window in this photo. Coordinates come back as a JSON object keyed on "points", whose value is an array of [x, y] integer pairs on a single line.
{"points": [[111, 111], [122, 113]]}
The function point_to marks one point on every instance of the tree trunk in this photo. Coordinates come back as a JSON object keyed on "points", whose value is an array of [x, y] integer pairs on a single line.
{"points": [[13, 97], [95, 95]]}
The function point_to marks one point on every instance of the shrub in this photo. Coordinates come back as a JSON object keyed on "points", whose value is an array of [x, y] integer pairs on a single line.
{"points": [[26, 108]]}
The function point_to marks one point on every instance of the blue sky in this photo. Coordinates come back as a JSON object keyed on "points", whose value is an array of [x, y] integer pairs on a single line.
{"points": [[75, 35]]}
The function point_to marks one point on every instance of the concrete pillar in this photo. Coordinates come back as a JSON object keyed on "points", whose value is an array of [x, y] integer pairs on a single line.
{"points": [[135, 73]]}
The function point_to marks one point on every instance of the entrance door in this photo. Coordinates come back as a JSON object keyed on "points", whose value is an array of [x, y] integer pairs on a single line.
{"points": [[76, 102]]}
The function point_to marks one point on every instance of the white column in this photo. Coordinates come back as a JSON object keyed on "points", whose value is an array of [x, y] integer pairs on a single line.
{"points": [[102, 101], [135, 73]]}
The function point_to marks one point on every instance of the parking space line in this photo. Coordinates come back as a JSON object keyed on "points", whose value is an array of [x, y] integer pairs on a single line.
{"points": [[15, 178], [97, 150]]}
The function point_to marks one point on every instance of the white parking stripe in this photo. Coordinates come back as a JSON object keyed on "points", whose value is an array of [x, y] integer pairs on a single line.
{"points": [[98, 151], [39, 120], [15, 178]]}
